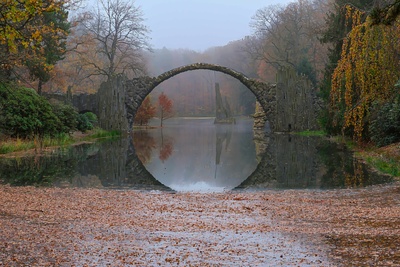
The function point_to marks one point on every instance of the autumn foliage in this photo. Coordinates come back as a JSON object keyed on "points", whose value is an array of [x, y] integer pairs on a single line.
{"points": [[166, 150], [26, 33], [94, 227], [366, 73], [165, 106], [145, 112], [144, 144]]}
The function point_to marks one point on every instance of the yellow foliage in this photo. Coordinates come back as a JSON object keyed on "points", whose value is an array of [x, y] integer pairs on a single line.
{"points": [[18, 31], [367, 70]]}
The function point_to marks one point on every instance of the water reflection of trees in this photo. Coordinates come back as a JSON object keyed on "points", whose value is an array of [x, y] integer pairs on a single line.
{"points": [[296, 162], [112, 163], [342, 169], [145, 143], [44, 170], [309, 162], [166, 150]]}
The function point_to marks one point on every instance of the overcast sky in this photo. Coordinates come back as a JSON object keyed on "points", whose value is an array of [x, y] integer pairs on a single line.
{"points": [[199, 24]]}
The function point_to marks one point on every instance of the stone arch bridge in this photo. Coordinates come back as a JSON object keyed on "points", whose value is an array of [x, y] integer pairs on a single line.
{"points": [[288, 104]]}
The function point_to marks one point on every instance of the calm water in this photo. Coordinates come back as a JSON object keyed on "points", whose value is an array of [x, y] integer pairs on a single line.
{"points": [[199, 155], [196, 155]]}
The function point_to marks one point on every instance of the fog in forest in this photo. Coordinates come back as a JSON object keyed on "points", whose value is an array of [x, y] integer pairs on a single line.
{"points": [[199, 24], [193, 92], [254, 38]]}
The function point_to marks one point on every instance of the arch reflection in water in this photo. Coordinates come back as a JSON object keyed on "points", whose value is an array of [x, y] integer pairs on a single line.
{"points": [[279, 162], [197, 155]]}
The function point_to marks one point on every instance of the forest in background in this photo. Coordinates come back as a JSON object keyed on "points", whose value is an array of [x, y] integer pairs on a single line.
{"points": [[193, 92], [348, 49]]}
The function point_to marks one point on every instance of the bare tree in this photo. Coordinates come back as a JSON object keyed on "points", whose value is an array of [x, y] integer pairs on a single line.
{"points": [[266, 44], [118, 36], [288, 35]]}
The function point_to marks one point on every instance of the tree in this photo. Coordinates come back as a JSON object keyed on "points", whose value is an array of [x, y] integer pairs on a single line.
{"points": [[386, 14], [117, 30], [384, 127], [72, 73], [165, 106], [337, 26], [53, 46], [366, 73], [145, 112], [25, 28], [287, 36]]}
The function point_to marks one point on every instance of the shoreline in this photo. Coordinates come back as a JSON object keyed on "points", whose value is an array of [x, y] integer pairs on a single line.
{"points": [[384, 160], [64, 227]]}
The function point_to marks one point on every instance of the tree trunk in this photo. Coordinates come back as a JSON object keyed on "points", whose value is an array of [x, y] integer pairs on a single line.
{"points": [[39, 89]]}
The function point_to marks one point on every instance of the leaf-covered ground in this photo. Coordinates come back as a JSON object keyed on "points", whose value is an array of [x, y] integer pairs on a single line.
{"points": [[91, 227]]}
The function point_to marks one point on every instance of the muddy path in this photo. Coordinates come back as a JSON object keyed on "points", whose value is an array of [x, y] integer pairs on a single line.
{"points": [[94, 227]]}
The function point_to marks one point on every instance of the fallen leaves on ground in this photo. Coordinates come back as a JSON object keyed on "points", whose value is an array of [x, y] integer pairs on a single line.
{"points": [[92, 227]]}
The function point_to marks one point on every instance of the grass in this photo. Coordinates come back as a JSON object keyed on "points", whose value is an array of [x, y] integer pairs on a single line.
{"points": [[61, 140], [18, 144], [311, 133], [350, 144], [384, 165], [100, 133], [14, 145], [384, 159]]}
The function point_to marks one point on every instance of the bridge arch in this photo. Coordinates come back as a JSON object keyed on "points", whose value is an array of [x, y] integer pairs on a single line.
{"points": [[249, 83], [137, 89]]}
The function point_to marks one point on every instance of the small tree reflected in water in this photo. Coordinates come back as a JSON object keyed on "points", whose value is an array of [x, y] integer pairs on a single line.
{"points": [[144, 144], [166, 150]]}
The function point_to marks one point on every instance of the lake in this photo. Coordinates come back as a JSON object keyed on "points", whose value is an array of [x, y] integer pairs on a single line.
{"points": [[194, 154]]}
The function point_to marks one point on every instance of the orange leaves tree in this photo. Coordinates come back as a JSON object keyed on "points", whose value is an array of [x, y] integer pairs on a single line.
{"points": [[366, 73], [165, 106], [145, 112]]}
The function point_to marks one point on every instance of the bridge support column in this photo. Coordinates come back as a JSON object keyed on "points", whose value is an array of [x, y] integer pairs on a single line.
{"points": [[111, 101]]}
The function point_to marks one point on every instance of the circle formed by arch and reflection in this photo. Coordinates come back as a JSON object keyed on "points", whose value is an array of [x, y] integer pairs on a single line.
{"points": [[221, 153], [194, 154]]}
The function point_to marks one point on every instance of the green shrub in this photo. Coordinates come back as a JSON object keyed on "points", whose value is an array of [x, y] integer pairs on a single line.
{"points": [[384, 128], [23, 113], [91, 117], [68, 117], [84, 123]]}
